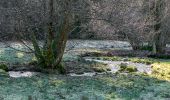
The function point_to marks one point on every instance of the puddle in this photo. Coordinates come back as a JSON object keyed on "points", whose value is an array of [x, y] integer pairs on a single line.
{"points": [[18, 74], [85, 74], [114, 65]]}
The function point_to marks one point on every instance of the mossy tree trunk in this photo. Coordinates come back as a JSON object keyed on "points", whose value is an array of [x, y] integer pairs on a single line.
{"points": [[51, 54], [158, 42]]}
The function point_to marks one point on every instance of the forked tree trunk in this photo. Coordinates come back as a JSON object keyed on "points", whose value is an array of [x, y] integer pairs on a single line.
{"points": [[51, 54]]}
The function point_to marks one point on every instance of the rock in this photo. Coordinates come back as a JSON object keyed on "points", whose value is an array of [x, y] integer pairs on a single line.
{"points": [[148, 63], [108, 69], [131, 69], [123, 65], [99, 70], [125, 59]]}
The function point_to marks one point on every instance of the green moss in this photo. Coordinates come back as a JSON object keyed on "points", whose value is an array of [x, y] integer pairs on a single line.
{"points": [[32, 63], [114, 58], [100, 67], [57, 82], [147, 61], [100, 70], [84, 98], [93, 54], [146, 47], [131, 69], [61, 69], [4, 67], [126, 68], [161, 70], [111, 96], [3, 72], [123, 66]]}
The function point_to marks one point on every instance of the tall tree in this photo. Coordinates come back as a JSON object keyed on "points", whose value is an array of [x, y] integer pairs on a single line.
{"points": [[159, 37], [51, 54]]}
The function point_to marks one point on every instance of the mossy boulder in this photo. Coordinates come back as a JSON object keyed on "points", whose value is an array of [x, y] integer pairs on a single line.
{"points": [[124, 67], [99, 70], [100, 67], [3, 67], [131, 69]]}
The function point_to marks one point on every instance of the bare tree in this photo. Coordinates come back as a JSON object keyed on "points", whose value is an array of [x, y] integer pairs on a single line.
{"points": [[157, 12]]}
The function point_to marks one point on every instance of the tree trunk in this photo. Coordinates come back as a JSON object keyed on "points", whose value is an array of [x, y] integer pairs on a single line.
{"points": [[158, 42], [50, 56]]}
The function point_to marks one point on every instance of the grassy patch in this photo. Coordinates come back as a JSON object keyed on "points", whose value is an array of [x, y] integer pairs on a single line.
{"points": [[11, 56], [147, 61], [107, 87]]}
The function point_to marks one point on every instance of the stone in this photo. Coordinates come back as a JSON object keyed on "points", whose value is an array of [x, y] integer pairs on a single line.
{"points": [[125, 59], [99, 70], [131, 69], [123, 65]]}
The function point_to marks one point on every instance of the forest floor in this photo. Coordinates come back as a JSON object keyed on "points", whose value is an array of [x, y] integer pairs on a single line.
{"points": [[92, 74]]}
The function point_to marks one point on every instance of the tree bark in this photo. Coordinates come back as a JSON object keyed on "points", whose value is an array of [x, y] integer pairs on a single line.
{"points": [[159, 42]]}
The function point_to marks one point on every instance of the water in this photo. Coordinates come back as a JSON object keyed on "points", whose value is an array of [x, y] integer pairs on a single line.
{"points": [[18, 74], [85, 74], [114, 65]]}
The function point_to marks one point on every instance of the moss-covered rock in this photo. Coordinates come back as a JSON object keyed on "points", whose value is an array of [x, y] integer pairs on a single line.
{"points": [[100, 67], [124, 67], [131, 69], [100, 70], [3, 67], [142, 60]]}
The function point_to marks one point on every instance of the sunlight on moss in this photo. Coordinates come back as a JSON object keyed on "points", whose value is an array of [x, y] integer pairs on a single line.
{"points": [[161, 70], [1, 51], [57, 82], [120, 81], [20, 55], [91, 50], [111, 96], [34, 58], [100, 67], [147, 61]]}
